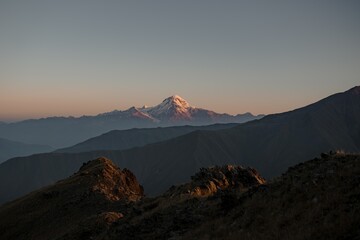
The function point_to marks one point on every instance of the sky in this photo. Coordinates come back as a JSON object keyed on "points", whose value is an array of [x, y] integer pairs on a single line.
{"points": [[76, 57]]}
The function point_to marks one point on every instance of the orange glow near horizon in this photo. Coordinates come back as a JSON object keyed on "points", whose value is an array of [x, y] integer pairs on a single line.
{"points": [[61, 103], [61, 58]]}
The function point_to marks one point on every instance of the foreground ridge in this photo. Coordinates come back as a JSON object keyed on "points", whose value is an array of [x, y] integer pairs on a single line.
{"points": [[317, 199], [89, 196]]}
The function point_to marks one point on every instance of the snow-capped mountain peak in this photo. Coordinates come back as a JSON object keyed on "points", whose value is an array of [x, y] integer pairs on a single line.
{"points": [[175, 110], [172, 108], [177, 101]]}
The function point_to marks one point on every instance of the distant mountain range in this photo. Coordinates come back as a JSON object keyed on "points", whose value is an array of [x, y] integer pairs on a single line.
{"points": [[270, 144], [136, 137], [10, 149], [66, 131]]}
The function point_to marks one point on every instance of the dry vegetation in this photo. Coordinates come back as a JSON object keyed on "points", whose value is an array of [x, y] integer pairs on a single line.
{"points": [[318, 199], [315, 200]]}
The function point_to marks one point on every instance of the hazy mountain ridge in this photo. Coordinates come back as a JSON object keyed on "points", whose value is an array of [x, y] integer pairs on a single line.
{"points": [[136, 137], [228, 202], [270, 145], [10, 149], [173, 111]]}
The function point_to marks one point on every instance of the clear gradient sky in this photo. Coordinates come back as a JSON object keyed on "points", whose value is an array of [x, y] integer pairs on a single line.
{"points": [[74, 57]]}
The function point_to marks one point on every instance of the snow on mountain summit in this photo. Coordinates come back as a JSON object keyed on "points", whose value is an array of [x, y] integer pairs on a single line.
{"points": [[173, 101], [177, 110], [174, 108]]}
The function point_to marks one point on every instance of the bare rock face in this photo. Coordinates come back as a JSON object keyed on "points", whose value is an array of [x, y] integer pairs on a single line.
{"points": [[208, 181], [316, 199], [78, 207], [228, 202], [109, 180]]}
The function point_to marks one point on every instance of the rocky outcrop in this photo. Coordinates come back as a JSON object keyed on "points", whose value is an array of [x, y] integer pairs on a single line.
{"points": [[187, 206], [85, 204], [317, 199], [109, 180], [209, 181]]}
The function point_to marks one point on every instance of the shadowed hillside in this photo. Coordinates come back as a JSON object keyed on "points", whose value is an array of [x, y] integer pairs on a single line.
{"points": [[10, 149], [96, 195], [136, 137], [270, 145], [317, 199]]}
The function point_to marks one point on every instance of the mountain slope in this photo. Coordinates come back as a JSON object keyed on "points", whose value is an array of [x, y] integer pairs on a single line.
{"points": [[10, 149], [88, 196], [176, 109], [173, 108], [71, 130], [316, 199], [136, 137], [86, 205], [270, 145]]}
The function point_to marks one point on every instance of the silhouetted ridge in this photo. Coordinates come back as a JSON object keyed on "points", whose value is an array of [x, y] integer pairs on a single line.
{"points": [[355, 90], [270, 145], [137, 137], [173, 111], [10, 149]]}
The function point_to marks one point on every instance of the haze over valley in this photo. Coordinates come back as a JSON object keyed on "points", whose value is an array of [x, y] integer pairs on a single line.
{"points": [[179, 120]]}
